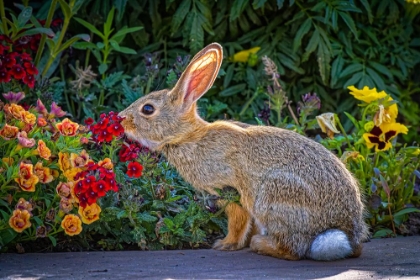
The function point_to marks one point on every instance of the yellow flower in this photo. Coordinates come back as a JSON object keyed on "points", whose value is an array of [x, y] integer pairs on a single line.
{"points": [[71, 224], [386, 114], [79, 160], [67, 127], [106, 163], [8, 160], [326, 122], [243, 56], [28, 118], [14, 110], [380, 137], [64, 161], [90, 213], [19, 221], [9, 132], [367, 95], [44, 173], [71, 173], [22, 204], [27, 179], [43, 150]]}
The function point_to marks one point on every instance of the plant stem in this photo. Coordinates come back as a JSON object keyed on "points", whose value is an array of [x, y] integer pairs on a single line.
{"points": [[248, 103], [337, 120], [88, 52], [57, 46], [44, 36], [3, 18]]}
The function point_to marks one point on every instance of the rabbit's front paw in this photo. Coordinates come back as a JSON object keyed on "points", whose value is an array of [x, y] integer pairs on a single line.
{"points": [[222, 245]]}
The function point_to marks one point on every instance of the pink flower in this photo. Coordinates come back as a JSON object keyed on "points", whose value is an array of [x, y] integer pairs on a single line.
{"points": [[40, 108], [24, 141], [57, 111], [13, 97]]}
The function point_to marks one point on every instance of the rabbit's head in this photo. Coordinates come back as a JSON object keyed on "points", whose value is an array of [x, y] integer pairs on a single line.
{"points": [[168, 116]]}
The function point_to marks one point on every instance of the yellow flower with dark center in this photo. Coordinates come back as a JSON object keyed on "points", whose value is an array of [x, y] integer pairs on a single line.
{"points": [[90, 213], [79, 160], [244, 55], [43, 150], [44, 173], [367, 95], [71, 224], [19, 221], [27, 179], [71, 173], [380, 137], [64, 161]]}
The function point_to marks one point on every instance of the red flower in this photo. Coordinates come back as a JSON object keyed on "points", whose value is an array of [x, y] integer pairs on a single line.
{"points": [[116, 129], [4, 76], [128, 153], [25, 57], [18, 72], [29, 80], [89, 121], [9, 60], [104, 135], [3, 48], [101, 187], [134, 169], [91, 195], [79, 187], [102, 123], [83, 200], [30, 68]]}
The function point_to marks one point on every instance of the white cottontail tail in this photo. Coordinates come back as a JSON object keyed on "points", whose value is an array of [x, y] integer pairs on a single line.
{"points": [[298, 200]]}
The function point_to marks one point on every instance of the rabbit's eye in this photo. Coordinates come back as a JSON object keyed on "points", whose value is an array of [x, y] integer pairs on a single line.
{"points": [[147, 109]]}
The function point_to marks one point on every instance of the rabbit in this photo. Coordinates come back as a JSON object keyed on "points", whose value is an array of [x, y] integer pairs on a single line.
{"points": [[298, 200]]}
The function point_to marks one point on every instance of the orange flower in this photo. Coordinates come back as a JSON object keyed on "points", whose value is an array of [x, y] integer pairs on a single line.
{"points": [[90, 213], [22, 204], [43, 150], [19, 221], [41, 121], [44, 173], [64, 189], [64, 161], [67, 127], [9, 132], [71, 224], [106, 163], [27, 179], [79, 160], [28, 118], [16, 111]]}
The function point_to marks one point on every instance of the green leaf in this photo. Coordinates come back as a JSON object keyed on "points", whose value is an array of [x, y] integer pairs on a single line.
{"points": [[232, 90], [24, 16], [280, 4], [366, 4], [108, 23], [383, 233], [53, 240], [406, 211], [120, 6], [196, 37], [303, 29], [90, 27], [380, 68], [238, 6], [65, 8], [351, 69], [352, 119], [169, 223], [354, 79], [146, 217], [123, 31], [256, 4], [380, 84], [324, 59], [38, 30], [102, 68], [350, 23], [180, 15], [312, 44], [229, 75], [72, 40], [336, 68], [84, 45]]}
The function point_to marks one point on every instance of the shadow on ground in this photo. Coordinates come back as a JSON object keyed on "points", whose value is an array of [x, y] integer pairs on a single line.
{"points": [[384, 258]]}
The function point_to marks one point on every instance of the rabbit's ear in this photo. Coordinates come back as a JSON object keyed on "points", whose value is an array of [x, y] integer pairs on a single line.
{"points": [[199, 75]]}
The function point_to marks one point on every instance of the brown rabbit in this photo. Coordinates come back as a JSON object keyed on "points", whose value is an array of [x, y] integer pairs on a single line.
{"points": [[298, 200]]}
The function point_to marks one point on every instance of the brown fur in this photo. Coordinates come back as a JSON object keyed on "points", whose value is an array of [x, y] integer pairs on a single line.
{"points": [[291, 187]]}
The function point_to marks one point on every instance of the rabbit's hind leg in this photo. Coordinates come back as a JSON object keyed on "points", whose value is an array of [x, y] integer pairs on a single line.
{"points": [[269, 245], [239, 228]]}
